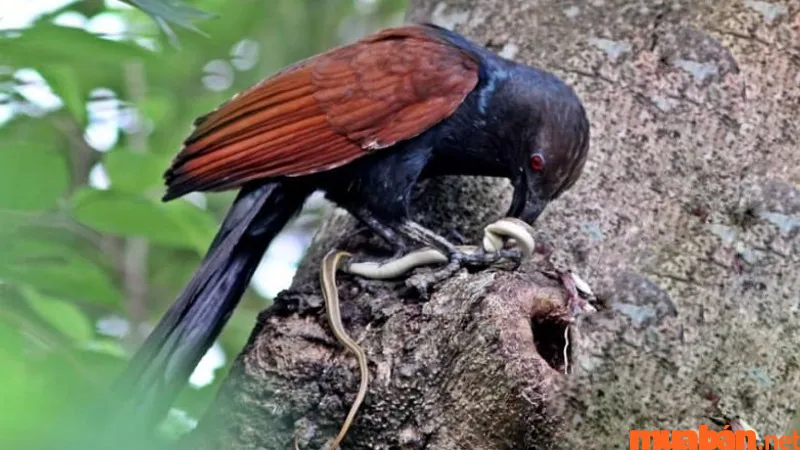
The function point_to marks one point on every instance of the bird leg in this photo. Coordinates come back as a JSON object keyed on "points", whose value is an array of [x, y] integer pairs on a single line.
{"points": [[416, 232], [457, 258], [389, 235], [435, 250]]}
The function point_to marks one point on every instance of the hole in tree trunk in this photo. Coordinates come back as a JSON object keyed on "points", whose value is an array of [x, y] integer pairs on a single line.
{"points": [[549, 340]]}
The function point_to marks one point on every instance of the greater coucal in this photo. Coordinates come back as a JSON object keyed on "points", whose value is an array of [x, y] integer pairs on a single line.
{"points": [[363, 123]]}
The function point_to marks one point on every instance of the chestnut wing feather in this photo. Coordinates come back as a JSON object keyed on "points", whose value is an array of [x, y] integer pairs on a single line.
{"points": [[326, 111]]}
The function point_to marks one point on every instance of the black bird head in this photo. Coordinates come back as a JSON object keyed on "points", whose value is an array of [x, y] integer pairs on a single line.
{"points": [[547, 126], [524, 123]]}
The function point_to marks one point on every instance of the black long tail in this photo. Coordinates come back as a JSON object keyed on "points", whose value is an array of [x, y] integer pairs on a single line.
{"points": [[165, 361]]}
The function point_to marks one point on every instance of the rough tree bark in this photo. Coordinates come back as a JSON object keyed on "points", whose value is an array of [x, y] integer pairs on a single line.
{"points": [[685, 223]]}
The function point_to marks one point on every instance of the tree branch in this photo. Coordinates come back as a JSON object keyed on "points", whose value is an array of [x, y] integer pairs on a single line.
{"points": [[474, 367], [135, 250]]}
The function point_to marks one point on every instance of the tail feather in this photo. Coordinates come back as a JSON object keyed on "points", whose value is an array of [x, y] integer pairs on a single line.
{"points": [[165, 361]]}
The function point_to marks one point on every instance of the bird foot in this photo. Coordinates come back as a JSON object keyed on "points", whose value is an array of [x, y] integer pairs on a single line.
{"points": [[482, 259], [423, 282], [439, 251]]}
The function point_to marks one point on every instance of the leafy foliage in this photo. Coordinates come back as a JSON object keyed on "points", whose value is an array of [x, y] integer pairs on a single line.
{"points": [[165, 12], [83, 265], [46, 181]]}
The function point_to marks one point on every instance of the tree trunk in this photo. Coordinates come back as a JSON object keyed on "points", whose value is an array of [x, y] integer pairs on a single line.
{"points": [[685, 223]]}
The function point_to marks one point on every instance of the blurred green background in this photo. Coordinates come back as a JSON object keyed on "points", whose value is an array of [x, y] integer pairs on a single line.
{"points": [[95, 99]]}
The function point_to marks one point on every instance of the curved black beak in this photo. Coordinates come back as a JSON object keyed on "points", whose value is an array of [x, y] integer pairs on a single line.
{"points": [[533, 208], [526, 204]]}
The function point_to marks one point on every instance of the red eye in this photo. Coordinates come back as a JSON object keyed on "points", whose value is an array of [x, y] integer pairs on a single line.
{"points": [[537, 162]]}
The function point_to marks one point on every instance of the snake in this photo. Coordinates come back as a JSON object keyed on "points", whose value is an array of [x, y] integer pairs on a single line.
{"points": [[495, 236]]}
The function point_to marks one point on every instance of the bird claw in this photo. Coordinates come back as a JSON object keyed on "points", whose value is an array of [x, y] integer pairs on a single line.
{"points": [[423, 282], [482, 259], [458, 237], [438, 251]]}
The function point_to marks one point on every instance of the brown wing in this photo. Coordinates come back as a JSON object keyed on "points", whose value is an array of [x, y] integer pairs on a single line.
{"points": [[327, 111]]}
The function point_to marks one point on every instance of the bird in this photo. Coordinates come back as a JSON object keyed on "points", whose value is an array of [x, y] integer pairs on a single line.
{"points": [[362, 122]]}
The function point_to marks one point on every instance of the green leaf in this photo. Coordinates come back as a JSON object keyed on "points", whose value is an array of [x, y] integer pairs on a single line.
{"points": [[130, 215], [55, 269], [63, 316], [164, 12], [65, 83], [31, 178], [197, 224], [47, 43], [124, 214], [88, 8], [108, 347], [135, 172], [12, 341], [172, 11], [158, 108]]}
